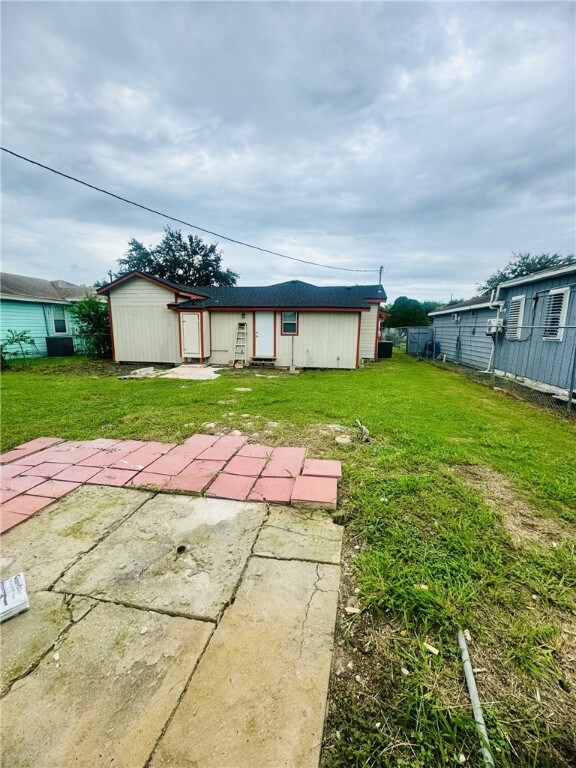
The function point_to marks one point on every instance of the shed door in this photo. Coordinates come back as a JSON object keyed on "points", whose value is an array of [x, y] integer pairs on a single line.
{"points": [[264, 334], [190, 334]]}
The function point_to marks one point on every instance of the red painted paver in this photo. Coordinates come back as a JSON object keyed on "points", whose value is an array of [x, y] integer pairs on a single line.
{"points": [[9, 520], [14, 455], [144, 456], [47, 469], [285, 462], [77, 474], [224, 448], [245, 465], [189, 483], [26, 449], [315, 491], [100, 443], [276, 490], [149, 478], [20, 483], [201, 441], [174, 461], [66, 453], [39, 443], [235, 487], [7, 495], [203, 467], [53, 489], [116, 477], [322, 468], [255, 451], [25, 505], [108, 456], [197, 476], [11, 470]]}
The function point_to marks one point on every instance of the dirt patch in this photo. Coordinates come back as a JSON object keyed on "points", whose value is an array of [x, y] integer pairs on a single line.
{"points": [[520, 520]]}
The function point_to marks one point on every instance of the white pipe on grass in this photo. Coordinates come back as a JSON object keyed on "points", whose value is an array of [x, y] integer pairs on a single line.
{"points": [[475, 700]]}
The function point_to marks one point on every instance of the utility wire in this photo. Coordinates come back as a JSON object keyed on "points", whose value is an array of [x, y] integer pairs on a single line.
{"points": [[180, 221]]}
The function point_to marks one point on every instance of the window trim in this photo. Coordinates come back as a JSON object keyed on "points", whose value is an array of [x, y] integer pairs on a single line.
{"points": [[64, 318], [513, 332], [565, 291], [282, 321]]}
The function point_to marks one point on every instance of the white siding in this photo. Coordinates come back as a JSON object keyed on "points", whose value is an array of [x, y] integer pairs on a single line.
{"points": [[368, 330], [145, 331], [223, 334], [206, 334], [324, 340]]}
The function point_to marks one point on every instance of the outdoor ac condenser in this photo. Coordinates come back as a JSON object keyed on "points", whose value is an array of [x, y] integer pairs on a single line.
{"points": [[494, 326]]}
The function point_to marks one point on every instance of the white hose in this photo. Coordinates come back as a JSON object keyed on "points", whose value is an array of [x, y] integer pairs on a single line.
{"points": [[475, 700]]}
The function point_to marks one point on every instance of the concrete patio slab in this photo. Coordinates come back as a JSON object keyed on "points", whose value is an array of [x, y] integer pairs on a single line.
{"points": [[194, 372], [27, 637], [49, 543], [141, 563], [106, 698], [291, 534], [258, 697]]}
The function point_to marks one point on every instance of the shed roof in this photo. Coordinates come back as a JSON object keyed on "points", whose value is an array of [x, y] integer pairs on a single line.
{"points": [[37, 289], [294, 294]]}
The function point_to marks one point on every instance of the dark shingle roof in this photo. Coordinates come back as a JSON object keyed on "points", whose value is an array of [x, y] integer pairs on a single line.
{"points": [[291, 294], [22, 287]]}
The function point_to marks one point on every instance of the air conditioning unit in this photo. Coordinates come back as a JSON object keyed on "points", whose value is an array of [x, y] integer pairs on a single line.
{"points": [[494, 326]]}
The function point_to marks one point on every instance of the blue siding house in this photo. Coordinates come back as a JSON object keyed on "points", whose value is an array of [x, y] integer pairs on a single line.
{"points": [[40, 307], [537, 344], [460, 332], [525, 330]]}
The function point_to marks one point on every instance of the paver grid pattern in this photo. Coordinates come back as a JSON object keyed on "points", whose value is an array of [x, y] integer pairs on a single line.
{"points": [[36, 473]]}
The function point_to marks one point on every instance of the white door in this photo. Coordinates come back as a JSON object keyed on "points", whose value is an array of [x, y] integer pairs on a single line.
{"points": [[190, 334], [264, 334]]}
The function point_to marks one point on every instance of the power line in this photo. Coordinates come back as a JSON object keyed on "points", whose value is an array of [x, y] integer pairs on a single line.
{"points": [[180, 221]]}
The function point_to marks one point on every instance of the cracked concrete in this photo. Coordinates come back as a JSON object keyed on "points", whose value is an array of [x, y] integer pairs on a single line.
{"points": [[112, 666]]}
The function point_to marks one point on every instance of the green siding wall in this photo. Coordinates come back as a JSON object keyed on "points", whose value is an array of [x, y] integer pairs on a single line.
{"points": [[34, 317]]}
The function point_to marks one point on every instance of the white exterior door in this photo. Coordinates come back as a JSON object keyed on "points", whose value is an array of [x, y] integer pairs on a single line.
{"points": [[190, 334], [264, 334]]}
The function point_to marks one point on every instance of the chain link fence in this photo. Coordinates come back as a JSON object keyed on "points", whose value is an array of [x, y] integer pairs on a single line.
{"points": [[528, 367]]}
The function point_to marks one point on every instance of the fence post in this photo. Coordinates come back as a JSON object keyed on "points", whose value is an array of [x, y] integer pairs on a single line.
{"points": [[572, 380]]}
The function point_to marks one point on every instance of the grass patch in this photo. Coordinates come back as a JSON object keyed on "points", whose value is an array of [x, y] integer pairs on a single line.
{"points": [[428, 550]]}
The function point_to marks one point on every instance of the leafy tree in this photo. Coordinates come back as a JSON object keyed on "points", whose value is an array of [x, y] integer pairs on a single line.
{"points": [[189, 260], [93, 323], [524, 263], [406, 312], [430, 306]]}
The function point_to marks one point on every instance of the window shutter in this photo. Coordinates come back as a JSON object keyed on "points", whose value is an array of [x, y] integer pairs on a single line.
{"points": [[515, 317], [556, 312]]}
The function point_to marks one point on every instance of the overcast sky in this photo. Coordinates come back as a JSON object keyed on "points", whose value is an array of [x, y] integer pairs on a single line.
{"points": [[431, 138]]}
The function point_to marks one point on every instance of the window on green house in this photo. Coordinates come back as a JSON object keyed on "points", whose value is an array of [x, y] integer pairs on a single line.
{"points": [[59, 320]]}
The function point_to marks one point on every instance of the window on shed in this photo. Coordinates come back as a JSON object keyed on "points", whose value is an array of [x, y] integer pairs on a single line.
{"points": [[515, 317], [289, 323], [556, 313], [59, 314]]}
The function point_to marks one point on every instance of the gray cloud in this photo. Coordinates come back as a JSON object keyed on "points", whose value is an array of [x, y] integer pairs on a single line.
{"points": [[432, 138]]}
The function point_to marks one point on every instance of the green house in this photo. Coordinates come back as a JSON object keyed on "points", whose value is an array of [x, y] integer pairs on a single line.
{"points": [[41, 307]]}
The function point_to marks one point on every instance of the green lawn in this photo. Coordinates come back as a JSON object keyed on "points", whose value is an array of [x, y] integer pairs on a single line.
{"points": [[432, 555]]}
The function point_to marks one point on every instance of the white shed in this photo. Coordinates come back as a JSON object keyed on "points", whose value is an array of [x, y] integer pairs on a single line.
{"points": [[291, 324]]}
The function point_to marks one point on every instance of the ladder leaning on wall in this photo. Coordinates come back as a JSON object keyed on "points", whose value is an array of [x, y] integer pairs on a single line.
{"points": [[240, 346]]}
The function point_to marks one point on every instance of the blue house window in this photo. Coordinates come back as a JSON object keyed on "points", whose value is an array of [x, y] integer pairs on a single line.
{"points": [[59, 320]]}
